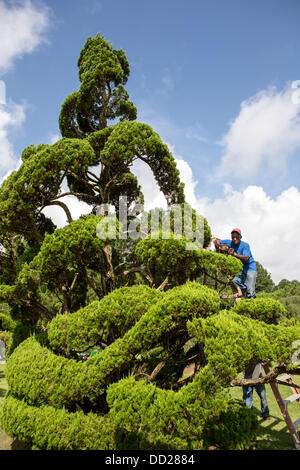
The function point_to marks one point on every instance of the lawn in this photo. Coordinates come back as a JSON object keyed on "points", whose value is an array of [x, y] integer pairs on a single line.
{"points": [[273, 434]]}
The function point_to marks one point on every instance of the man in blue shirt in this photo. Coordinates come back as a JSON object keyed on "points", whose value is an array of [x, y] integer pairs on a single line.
{"points": [[246, 278]]}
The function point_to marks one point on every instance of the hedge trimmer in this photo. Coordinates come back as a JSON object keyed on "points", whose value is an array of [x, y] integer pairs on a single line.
{"points": [[223, 249]]}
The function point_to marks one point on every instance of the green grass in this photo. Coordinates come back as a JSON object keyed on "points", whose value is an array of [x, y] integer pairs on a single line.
{"points": [[273, 434]]}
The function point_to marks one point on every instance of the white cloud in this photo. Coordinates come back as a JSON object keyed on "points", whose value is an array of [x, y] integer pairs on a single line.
{"points": [[22, 28], [153, 196], [265, 133], [54, 138], [12, 116], [58, 215]]}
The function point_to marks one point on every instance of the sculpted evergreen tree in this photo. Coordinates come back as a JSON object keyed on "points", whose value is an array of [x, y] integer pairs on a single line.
{"points": [[87, 143], [103, 328]]}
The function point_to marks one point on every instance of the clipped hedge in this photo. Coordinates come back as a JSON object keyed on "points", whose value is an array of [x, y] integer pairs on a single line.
{"points": [[164, 419], [141, 417], [41, 376], [47, 428], [169, 257], [232, 341], [101, 321], [262, 309]]}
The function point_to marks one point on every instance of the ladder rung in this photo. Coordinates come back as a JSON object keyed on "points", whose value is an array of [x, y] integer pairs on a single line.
{"points": [[291, 398], [284, 377], [297, 424]]}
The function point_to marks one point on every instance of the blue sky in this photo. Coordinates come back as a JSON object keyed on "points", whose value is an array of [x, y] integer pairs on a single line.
{"points": [[213, 78]]}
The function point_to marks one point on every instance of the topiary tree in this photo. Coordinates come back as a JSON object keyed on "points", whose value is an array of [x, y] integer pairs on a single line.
{"points": [[87, 142], [109, 374]]}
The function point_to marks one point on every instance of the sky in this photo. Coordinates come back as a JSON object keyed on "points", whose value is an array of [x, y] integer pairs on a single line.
{"points": [[218, 81]]}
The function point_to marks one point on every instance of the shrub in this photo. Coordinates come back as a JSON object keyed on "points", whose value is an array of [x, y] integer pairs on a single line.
{"points": [[263, 309], [101, 321]]}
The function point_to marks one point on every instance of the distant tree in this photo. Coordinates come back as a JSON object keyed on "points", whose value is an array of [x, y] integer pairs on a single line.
{"points": [[288, 287], [264, 281], [288, 294]]}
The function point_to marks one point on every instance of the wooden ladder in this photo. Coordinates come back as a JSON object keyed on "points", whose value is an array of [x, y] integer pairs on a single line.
{"points": [[283, 404]]}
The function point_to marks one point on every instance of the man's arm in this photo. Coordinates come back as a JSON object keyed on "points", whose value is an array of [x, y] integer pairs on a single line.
{"points": [[216, 241], [243, 258]]}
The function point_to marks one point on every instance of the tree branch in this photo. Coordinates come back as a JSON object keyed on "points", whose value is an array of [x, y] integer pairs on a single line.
{"points": [[139, 270], [270, 377], [64, 207], [157, 369], [95, 176], [163, 284], [73, 194]]}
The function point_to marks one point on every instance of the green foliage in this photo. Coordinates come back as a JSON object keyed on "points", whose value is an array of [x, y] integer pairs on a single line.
{"points": [[225, 266], [163, 419], [7, 330], [289, 287], [37, 183], [138, 414], [7, 294], [292, 305], [288, 294], [232, 341], [48, 428], [262, 309], [59, 381], [6, 323], [102, 72], [101, 322], [264, 281], [131, 139], [234, 429], [6, 337], [170, 257], [68, 249]]}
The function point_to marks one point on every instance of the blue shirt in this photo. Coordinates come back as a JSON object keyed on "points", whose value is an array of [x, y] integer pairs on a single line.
{"points": [[243, 248]]}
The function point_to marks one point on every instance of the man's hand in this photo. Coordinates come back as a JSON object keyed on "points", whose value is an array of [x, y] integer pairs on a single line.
{"points": [[231, 251], [216, 241]]}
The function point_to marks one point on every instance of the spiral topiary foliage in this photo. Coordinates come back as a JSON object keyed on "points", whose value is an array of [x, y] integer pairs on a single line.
{"points": [[131, 394]]}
